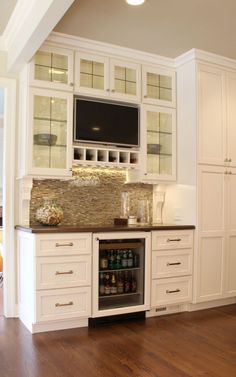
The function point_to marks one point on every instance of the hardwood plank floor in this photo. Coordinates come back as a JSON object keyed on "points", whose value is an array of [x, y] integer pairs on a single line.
{"points": [[197, 344]]}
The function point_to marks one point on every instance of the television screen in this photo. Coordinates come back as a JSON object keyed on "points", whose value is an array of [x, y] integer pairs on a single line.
{"points": [[103, 122]]}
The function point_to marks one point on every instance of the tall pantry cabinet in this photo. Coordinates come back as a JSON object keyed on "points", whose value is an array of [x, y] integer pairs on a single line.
{"points": [[206, 91]]}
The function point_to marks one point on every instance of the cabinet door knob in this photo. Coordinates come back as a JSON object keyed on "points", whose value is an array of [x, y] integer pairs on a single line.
{"points": [[229, 160], [71, 84], [226, 172], [145, 96], [226, 159], [113, 90], [108, 90]]}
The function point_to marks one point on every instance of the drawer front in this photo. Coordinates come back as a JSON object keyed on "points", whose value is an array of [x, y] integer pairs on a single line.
{"points": [[171, 263], [171, 291], [63, 304], [63, 244], [166, 240], [62, 272]]}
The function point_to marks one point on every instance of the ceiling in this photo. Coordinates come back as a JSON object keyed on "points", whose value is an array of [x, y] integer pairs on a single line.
{"points": [[6, 8], [164, 27]]}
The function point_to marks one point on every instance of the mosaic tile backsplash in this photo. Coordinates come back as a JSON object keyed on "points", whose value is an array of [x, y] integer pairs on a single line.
{"points": [[91, 197]]}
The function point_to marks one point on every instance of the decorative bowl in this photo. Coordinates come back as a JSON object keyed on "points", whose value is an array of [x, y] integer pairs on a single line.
{"points": [[49, 214], [45, 139]]}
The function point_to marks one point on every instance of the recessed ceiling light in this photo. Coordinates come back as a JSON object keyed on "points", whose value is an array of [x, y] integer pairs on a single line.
{"points": [[135, 2]]}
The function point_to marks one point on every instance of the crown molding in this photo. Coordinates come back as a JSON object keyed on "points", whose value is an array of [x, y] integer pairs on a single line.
{"points": [[204, 57], [71, 41]]}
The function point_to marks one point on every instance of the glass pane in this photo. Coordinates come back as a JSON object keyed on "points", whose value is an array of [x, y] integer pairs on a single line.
{"points": [[43, 58], [98, 82], [60, 130], [153, 163], [59, 76], [131, 88], [60, 61], [153, 121], [86, 66], [41, 156], [153, 92], [165, 82], [153, 79], [165, 165], [131, 75], [166, 143], [165, 122], [42, 106], [165, 94], [86, 80], [58, 157], [59, 109], [119, 73], [120, 86], [42, 73], [153, 138], [98, 69]]}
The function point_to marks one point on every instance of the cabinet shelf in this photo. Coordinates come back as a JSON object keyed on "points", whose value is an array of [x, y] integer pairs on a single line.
{"points": [[119, 295], [50, 119], [120, 269]]}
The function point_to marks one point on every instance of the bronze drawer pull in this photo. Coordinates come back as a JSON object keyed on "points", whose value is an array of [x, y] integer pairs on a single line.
{"points": [[64, 272], [175, 291], [64, 244], [173, 239], [173, 264], [66, 304]]}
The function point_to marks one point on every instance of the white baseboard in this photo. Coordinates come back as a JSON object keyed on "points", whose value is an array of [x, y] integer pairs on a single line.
{"points": [[211, 304]]}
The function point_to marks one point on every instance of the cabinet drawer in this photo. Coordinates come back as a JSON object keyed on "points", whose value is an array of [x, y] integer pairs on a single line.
{"points": [[165, 240], [64, 244], [61, 272], [171, 263], [171, 291], [63, 304]]}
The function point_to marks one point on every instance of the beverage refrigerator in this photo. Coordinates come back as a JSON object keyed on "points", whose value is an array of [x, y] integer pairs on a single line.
{"points": [[121, 273]]}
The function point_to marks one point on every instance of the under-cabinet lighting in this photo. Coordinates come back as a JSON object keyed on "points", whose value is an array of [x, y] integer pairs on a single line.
{"points": [[135, 2]]}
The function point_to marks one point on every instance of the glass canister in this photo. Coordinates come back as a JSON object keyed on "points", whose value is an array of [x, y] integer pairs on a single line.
{"points": [[143, 211], [124, 205], [49, 213]]}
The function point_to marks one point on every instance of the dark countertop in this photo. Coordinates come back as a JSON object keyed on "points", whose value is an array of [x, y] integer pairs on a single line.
{"points": [[100, 228]]}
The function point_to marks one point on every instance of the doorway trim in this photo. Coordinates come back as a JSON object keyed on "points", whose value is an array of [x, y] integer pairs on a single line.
{"points": [[9, 253]]}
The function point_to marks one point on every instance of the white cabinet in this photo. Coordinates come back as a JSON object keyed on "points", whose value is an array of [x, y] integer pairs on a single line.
{"points": [[107, 77], [52, 68], [172, 253], [158, 86], [217, 116], [158, 143], [216, 269], [46, 148], [54, 280]]}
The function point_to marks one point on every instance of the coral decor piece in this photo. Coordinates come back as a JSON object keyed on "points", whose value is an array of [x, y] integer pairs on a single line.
{"points": [[49, 214]]}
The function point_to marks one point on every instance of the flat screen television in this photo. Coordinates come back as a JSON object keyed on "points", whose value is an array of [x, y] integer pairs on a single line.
{"points": [[104, 122]]}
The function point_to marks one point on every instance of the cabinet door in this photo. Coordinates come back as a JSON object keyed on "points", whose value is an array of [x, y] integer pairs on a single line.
{"points": [[125, 80], [50, 133], [231, 118], [210, 253], [91, 74], [212, 121], [52, 68], [158, 86], [230, 271], [159, 143]]}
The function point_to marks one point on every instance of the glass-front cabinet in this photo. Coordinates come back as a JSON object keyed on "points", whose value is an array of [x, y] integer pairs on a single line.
{"points": [[121, 273], [51, 126], [100, 75], [159, 143], [158, 86], [52, 68]]}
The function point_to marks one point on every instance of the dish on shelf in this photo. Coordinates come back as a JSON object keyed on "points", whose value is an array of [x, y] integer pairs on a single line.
{"points": [[45, 139], [153, 148]]}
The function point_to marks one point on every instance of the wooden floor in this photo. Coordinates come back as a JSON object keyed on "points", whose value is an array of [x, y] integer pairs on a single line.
{"points": [[193, 344]]}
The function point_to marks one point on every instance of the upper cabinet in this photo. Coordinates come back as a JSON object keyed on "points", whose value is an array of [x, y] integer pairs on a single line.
{"points": [[107, 77], [158, 86], [52, 67], [217, 116], [45, 143], [159, 143]]}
